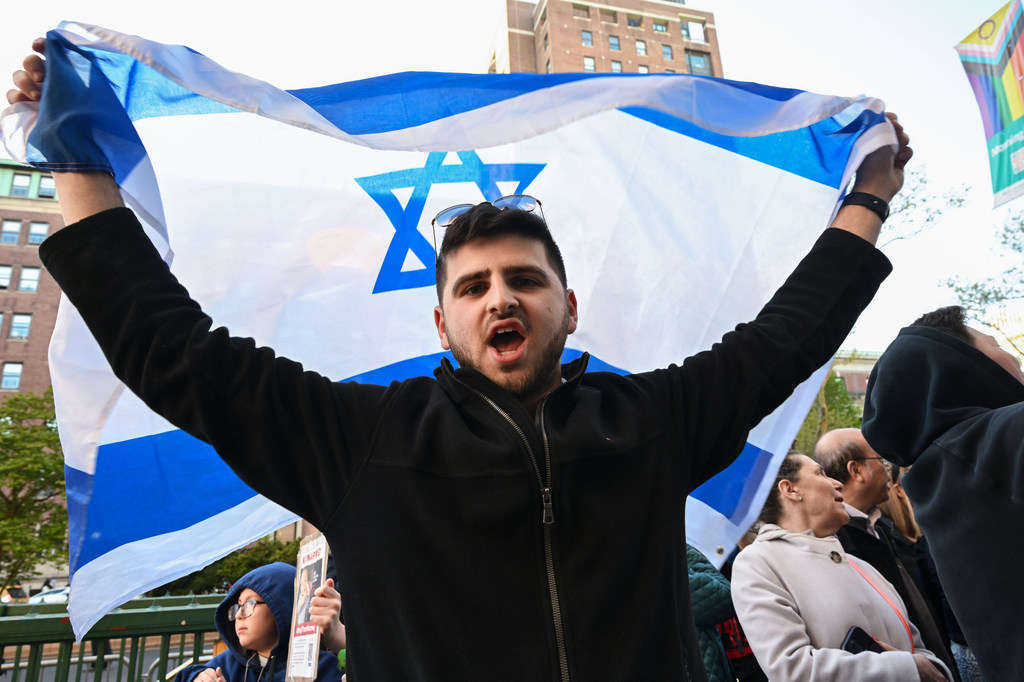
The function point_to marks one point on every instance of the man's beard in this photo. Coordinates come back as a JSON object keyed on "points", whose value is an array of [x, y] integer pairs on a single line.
{"points": [[523, 382]]}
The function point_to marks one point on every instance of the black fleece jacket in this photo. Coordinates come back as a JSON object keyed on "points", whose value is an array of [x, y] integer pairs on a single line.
{"points": [[952, 414], [434, 492]]}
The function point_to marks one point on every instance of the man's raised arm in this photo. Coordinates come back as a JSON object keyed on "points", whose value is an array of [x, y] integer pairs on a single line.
{"points": [[880, 175]]}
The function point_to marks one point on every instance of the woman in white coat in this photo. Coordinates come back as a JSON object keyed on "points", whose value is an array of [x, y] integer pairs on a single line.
{"points": [[797, 593]]}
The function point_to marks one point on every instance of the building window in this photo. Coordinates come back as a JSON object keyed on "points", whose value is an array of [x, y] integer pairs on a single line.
{"points": [[694, 31], [21, 324], [684, 29], [634, 21], [613, 43], [29, 279], [5, 276], [588, 64], [642, 69], [47, 190], [37, 232], [670, 70], [545, 41], [10, 231], [588, 38], [609, 16], [581, 11], [699, 63], [666, 52], [616, 66], [547, 67], [11, 379], [660, 26], [641, 48], [19, 188]]}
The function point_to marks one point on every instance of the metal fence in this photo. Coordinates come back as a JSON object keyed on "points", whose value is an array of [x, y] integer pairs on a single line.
{"points": [[143, 641]]}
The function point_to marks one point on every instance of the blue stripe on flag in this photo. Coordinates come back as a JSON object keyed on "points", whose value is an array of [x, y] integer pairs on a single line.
{"points": [[732, 491], [405, 100], [100, 94], [818, 152], [172, 467]]}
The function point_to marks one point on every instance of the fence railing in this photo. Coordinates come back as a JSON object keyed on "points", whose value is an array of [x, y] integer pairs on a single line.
{"points": [[146, 640]]}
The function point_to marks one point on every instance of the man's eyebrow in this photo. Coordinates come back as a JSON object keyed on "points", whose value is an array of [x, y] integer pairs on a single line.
{"points": [[526, 270], [469, 277]]}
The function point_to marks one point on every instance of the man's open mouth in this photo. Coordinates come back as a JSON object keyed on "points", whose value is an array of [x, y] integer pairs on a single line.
{"points": [[507, 340]]}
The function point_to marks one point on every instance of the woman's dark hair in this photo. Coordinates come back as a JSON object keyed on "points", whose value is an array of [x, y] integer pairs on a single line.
{"points": [[789, 471]]}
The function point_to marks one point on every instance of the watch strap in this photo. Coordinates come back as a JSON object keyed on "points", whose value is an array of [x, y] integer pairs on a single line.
{"points": [[869, 201]]}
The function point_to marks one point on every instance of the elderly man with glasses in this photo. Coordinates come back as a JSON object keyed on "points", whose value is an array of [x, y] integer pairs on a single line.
{"points": [[845, 455], [509, 519]]}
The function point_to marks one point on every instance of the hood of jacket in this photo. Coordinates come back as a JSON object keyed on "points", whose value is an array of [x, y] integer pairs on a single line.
{"points": [[926, 383], [275, 584], [807, 540]]}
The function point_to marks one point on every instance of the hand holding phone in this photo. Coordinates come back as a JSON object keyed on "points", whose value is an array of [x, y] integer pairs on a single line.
{"points": [[857, 640]]}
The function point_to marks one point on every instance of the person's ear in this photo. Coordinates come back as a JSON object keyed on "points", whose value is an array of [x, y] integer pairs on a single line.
{"points": [[854, 469], [442, 332], [788, 490], [570, 301]]}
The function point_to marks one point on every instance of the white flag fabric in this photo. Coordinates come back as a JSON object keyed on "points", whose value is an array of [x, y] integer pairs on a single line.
{"points": [[302, 219]]}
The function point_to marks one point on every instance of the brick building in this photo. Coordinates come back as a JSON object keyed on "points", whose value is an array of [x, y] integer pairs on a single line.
{"points": [[627, 36], [29, 211]]}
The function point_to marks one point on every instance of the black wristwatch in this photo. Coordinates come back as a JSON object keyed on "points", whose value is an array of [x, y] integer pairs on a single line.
{"points": [[870, 201]]}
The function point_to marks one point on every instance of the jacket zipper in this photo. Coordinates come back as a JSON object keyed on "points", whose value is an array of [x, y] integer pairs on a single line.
{"points": [[549, 557], [547, 509]]}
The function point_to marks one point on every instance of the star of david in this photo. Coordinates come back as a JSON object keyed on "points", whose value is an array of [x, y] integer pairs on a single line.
{"points": [[408, 238]]}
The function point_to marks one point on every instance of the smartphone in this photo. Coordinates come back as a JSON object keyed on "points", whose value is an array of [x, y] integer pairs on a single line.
{"points": [[857, 640]]}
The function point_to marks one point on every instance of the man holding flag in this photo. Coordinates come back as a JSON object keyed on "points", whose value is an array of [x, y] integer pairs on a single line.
{"points": [[509, 519]]}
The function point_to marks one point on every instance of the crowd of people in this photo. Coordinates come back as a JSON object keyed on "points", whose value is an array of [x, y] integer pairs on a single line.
{"points": [[514, 518]]}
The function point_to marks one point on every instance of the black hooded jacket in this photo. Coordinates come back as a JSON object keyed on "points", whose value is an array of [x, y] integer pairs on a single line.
{"points": [[944, 408], [274, 583], [475, 540]]}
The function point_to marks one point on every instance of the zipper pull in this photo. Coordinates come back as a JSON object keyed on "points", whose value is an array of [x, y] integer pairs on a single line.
{"points": [[549, 512]]}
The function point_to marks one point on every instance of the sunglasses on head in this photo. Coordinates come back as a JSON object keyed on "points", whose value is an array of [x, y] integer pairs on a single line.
{"points": [[515, 202]]}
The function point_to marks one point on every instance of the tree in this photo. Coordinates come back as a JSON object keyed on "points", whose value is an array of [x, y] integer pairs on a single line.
{"points": [[833, 408], [33, 515], [918, 206], [990, 299]]}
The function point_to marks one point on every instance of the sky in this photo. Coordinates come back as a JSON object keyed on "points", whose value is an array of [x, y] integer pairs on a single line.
{"points": [[899, 51]]}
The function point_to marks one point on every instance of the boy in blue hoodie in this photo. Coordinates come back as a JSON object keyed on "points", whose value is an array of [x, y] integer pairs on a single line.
{"points": [[255, 619]]}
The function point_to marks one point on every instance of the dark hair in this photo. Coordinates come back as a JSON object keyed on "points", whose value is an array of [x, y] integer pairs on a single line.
{"points": [[788, 471], [484, 220], [833, 459], [952, 320]]}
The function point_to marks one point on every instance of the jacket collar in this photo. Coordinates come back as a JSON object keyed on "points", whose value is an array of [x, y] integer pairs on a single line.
{"points": [[462, 383]]}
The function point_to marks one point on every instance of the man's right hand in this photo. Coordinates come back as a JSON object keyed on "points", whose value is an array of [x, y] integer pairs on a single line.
{"points": [[28, 81], [81, 194]]}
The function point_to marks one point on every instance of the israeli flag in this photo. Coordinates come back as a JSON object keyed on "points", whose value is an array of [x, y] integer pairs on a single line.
{"points": [[302, 219]]}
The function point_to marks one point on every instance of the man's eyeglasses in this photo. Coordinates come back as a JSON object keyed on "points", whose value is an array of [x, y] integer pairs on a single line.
{"points": [[243, 610], [516, 202], [886, 463]]}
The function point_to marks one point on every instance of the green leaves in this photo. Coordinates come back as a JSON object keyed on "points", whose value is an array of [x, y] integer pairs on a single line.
{"points": [[33, 514]]}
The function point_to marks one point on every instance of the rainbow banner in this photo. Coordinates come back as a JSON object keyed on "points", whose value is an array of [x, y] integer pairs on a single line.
{"points": [[993, 57]]}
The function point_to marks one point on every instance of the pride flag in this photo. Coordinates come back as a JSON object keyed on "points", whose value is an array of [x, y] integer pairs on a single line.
{"points": [[993, 58], [302, 219]]}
